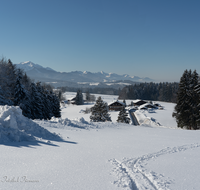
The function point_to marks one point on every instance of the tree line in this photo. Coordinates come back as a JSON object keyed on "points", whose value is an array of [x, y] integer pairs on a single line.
{"points": [[151, 91], [96, 90], [37, 101]]}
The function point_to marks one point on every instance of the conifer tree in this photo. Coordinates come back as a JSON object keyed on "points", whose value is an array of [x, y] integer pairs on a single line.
{"points": [[3, 100], [11, 73], [26, 106], [48, 113], [194, 102], [26, 81], [123, 116], [186, 111], [197, 90], [181, 112], [124, 101], [19, 91], [36, 103], [99, 112], [87, 96], [79, 98], [56, 106]]}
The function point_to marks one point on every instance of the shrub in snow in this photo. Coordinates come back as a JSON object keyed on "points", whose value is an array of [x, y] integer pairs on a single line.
{"points": [[87, 110], [16, 127], [100, 111]]}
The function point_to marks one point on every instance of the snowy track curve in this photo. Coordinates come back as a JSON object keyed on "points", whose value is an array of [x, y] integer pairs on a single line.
{"points": [[132, 174]]}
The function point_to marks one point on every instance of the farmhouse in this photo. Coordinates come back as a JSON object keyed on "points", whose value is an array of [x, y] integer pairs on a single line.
{"points": [[116, 106], [139, 102], [147, 105]]}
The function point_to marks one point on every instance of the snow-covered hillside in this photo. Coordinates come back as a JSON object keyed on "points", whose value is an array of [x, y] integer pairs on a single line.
{"points": [[77, 154]]}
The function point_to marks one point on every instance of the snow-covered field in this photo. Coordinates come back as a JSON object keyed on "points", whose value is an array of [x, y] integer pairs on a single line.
{"points": [[73, 153]]}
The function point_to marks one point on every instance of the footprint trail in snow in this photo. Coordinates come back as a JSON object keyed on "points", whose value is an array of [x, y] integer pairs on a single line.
{"points": [[132, 175]]}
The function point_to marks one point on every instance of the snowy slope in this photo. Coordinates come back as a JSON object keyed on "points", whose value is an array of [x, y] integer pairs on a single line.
{"points": [[104, 156]]}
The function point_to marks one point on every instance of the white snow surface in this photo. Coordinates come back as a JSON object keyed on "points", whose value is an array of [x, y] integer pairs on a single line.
{"points": [[73, 153], [14, 127]]}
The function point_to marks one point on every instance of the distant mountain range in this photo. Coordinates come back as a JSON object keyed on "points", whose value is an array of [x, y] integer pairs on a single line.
{"points": [[79, 78]]}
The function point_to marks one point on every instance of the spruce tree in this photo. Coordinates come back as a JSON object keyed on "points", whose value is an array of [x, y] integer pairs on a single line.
{"points": [[193, 102], [79, 98], [26, 81], [123, 116], [56, 106], [87, 96], [26, 106], [36, 103], [197, 90], [3, 100], [99, 112], [19, 91], [186, 110], [48, 105], [124, 101]]}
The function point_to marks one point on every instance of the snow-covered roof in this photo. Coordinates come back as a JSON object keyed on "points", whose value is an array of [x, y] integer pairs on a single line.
{"points": [[116, 101], [138, 100], [145, 105], [71, 98]]}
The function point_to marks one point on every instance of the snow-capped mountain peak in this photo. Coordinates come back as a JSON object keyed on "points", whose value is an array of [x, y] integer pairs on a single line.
{"points": [[85, 72], [28, 66], [39, 73]]}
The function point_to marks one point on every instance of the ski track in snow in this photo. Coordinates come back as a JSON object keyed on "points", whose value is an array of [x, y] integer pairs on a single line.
{"points": [[132, 174]]}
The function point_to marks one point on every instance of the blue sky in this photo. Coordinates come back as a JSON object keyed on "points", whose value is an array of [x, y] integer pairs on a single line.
{"points": [[147, 38]]}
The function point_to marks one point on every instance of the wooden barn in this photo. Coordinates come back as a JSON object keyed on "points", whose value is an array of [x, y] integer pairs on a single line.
{"points": [[116, 106]]}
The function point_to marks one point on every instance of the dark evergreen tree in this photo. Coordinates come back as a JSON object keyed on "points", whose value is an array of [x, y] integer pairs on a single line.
{"points": [[3, 100], [99, 112], [26, 106], [194, 102], [40, 92], [7, 78], [124, 101], [79, 98], [36, 103], [11, 74], [87, 96], [123, 116], [19, 91], [26, 81], [55, 106], [48, 105], [181, 111], [197, 91], [186, 110]]}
